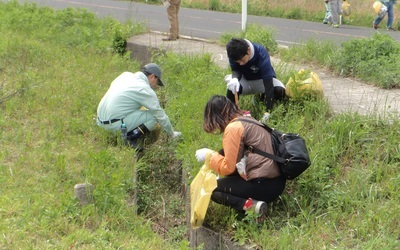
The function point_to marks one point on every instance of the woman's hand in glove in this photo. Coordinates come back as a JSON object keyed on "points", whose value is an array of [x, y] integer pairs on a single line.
{"points": [[202, 153]]}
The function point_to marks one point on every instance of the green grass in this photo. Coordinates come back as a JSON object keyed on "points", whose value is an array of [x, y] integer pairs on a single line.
{"points": [[64, 63], [60, 63], [372, 60]]}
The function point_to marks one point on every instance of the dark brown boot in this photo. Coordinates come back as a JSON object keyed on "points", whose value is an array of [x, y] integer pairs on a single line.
{"points": [[169, 39]]}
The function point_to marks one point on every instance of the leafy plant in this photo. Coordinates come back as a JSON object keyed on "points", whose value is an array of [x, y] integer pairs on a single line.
{"points": [[119, 44]]}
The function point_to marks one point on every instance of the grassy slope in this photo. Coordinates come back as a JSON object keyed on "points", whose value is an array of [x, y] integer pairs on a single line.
{"points": [[348, 199], [50, 141]]}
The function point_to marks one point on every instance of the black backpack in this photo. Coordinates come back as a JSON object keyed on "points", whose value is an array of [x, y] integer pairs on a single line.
{"points": [[290, 150]]}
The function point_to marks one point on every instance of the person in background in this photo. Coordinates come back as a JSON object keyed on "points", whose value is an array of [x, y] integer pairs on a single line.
{"points": [[252, 72], [173, 7], [250, 180], [336, 11], [131, 99], [389, 5], [327, 18]]}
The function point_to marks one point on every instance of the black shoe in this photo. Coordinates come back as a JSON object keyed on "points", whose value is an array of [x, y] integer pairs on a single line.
{"points": [[137, 132]]}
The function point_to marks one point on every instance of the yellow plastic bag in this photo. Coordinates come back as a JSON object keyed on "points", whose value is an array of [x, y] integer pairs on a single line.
{"points": [[200, 192], [377, 6], [380, 9], [346, 8], [304, 83]]}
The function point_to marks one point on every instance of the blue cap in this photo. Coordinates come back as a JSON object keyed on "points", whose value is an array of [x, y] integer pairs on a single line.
{"points": [[154, 69]]}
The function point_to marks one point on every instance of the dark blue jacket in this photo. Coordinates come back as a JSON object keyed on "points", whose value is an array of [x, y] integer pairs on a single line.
{"points": [[259, 67]]}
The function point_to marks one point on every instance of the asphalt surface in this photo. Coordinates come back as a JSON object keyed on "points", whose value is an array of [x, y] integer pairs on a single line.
{"points": [[212, 24], [199, 27]]}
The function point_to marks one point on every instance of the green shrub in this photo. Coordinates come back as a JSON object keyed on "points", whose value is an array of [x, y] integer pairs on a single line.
{"points": [[257, 34], [214, 5]]}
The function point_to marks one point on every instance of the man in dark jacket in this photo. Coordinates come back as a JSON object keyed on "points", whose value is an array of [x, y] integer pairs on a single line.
{"points": [[252, 72]]}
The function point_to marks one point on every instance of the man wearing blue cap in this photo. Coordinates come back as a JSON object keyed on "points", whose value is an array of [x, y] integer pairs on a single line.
{"points": [[132, 100]]}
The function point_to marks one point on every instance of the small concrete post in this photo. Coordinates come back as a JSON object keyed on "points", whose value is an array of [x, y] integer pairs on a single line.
{"points": [[84, 193]]}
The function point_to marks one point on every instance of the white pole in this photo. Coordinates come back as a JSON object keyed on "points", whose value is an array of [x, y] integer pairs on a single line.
{"points": [[244, 15]]}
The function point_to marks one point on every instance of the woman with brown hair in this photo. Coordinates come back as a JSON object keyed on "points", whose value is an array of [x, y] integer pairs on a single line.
{"points": [[250, 180]]}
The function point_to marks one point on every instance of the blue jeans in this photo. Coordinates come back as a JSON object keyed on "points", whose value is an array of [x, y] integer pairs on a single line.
{"points": [[390, 14]]}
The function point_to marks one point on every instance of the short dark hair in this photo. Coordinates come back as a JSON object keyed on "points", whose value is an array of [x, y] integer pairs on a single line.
{"points": [[237, 48], [219, 112]]}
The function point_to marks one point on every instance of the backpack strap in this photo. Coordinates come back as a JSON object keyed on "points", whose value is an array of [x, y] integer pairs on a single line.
{"points": [[259, 151], [266, 127]]}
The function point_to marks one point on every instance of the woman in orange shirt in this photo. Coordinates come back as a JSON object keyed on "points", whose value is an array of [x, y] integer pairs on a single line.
{"points": [[250, 180]]}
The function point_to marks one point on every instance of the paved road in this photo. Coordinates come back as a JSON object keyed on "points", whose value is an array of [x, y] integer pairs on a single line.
{"points": [[212, 24], [343, 94]]}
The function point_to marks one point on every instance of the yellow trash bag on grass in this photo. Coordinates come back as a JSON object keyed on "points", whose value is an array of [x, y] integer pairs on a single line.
{"points": [[200, 193], [304, 83]]}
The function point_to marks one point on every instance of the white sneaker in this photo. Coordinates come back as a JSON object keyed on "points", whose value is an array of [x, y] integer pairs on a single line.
{"points": [[257, 206], [260, 206], [262, 212]]}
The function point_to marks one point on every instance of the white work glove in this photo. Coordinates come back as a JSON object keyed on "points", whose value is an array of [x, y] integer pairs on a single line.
{"points": [[176, 134], [233, 85], [241, 167], [228, 78], [201, 154]]}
